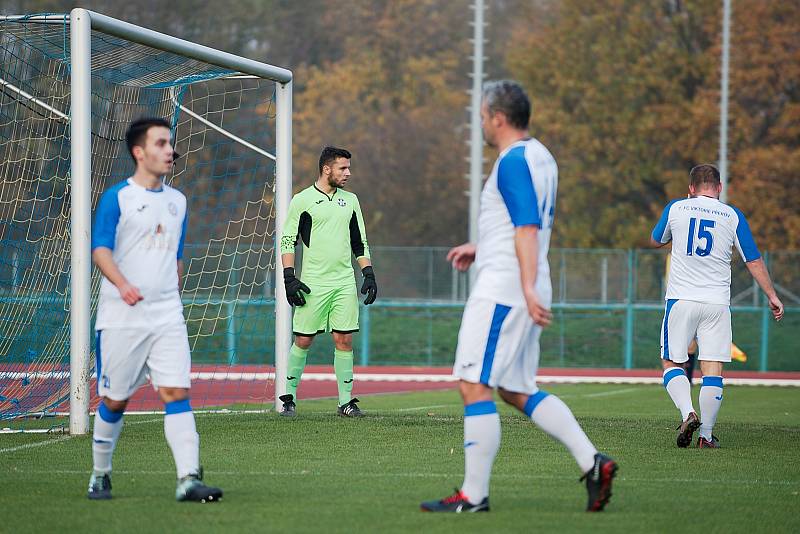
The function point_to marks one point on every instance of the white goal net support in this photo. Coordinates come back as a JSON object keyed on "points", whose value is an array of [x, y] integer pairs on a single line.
{"points": [[69, 87]]}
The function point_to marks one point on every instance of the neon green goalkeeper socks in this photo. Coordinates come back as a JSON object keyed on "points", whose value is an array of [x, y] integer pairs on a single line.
{"points": [[343, 365], [297, 362]]}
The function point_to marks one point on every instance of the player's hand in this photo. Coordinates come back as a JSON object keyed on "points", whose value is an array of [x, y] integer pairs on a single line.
{"points": [[540, 315], [294, 288], [462, 256], [130, 294], [370, 286], [776, 307]]}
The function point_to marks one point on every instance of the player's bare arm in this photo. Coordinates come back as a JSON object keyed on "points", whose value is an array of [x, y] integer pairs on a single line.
{"points": [[180, 274], [758, 270], [105, 262], [656, 244], [462, 256], [526, 244]]}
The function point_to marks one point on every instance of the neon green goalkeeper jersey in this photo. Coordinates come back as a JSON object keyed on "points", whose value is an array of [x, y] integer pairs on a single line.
{"points": [[331, 228]]}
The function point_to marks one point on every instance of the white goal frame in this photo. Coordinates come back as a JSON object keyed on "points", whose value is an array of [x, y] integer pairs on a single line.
{"points": [[82, 22]]}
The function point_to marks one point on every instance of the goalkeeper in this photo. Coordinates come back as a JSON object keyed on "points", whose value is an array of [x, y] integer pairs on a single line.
{"points": [[328, 221]]}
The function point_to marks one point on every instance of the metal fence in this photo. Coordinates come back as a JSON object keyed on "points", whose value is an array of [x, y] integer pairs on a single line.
{"points": [[607, 304]]}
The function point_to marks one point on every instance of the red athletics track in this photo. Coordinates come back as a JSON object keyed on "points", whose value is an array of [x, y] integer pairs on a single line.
{"points": [[223, 385]]}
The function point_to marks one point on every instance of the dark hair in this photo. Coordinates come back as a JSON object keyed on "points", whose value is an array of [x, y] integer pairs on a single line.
{"points": [[509, 98], [137, 132], [704, 175], [331, 154]]}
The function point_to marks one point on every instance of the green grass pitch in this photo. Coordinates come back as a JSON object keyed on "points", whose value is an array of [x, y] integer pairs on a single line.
{"points": [[321, 473]]}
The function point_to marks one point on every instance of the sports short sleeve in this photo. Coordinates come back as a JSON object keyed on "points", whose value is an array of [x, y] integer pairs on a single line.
{"points": [[661, 232], [515, 183], [744, 241], [106, 219]]}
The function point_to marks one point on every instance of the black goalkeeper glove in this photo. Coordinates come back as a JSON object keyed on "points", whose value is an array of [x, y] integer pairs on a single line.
{"points": [[294, 288], [369, 287]]}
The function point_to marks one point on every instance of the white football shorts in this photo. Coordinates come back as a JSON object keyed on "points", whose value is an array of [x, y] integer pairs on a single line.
{"points": [[498, 346], [127, 357], [685, 319]]}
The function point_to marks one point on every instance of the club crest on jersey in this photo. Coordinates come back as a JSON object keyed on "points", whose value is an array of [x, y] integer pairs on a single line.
{"points": [[341, 202], [173, 209]]}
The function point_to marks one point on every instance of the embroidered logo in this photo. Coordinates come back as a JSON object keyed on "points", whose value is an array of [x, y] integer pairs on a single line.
{"points": [[173, 209], [341, 202]]}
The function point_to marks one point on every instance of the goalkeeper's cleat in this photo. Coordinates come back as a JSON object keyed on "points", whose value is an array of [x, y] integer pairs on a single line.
{"points": [[456, 503], [350, 410], [703, 443], [687, 429], [99, 487], [191, 488], [598, 482], [289, 407]]}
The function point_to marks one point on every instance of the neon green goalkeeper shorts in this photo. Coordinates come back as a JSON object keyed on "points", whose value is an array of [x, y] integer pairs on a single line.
{"points": [[327, 309]]}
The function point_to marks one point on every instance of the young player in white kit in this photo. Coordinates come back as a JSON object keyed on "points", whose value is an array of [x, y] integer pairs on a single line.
{"points": [[498, 343], [703, 232], [137, 243]]}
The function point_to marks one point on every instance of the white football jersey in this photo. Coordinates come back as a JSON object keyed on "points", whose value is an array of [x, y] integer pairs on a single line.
{"points": [[521, 190], [145, 231], [703, 232]]}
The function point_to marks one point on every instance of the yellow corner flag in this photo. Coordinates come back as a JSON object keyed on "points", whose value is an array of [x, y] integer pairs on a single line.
{"points": [[737, 354]]}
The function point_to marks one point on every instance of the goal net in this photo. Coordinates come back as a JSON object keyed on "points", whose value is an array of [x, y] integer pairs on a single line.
{"points": [[224, 122]]}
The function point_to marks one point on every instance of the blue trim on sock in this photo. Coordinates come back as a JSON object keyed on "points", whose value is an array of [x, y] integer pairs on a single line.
{"points": [[480, 408], [500, 313], [178, 406], [533, 401], [672, 373], [715, 381], [665, 352], [107, 415]]}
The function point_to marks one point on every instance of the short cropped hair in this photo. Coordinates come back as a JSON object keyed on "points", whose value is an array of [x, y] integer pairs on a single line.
{"points": [[137, 131], [331, 154], [704, 175], [509, 98]]}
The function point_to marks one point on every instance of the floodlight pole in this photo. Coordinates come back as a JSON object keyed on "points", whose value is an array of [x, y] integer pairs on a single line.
{"points": [[283, 196], [80, 225], [476, 136], [723, 104]]}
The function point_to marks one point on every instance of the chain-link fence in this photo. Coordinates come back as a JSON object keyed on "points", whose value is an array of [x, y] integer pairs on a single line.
{"points": [[607, 304]]}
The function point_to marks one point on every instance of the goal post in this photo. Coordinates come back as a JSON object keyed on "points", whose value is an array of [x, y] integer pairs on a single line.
{"points": [[240, 257]]}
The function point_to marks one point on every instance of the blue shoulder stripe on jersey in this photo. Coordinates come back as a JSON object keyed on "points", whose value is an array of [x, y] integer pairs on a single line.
{"points": [[183, 233], [661, 225], [745, 238], [106, 217], [516, 186]]}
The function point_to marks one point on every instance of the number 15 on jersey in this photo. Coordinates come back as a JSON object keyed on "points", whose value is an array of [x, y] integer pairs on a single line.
{"points": [[703, 230]]}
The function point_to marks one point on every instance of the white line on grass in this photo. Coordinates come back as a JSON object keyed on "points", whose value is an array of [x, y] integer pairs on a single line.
{"points": [[64, 438], [37, 444]]}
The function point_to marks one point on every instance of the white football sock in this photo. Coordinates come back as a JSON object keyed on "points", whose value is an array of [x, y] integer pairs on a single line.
{"points": [[550, 414], [710, 402], [481, 443], [679, 390], [107, 428], [181, 434]]}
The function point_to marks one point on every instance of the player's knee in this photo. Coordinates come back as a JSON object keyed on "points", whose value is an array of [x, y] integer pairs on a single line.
{"points": [[115, 405], [516, 400], [471, 392], [343, 341], [173, 394], [303, 342]]}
